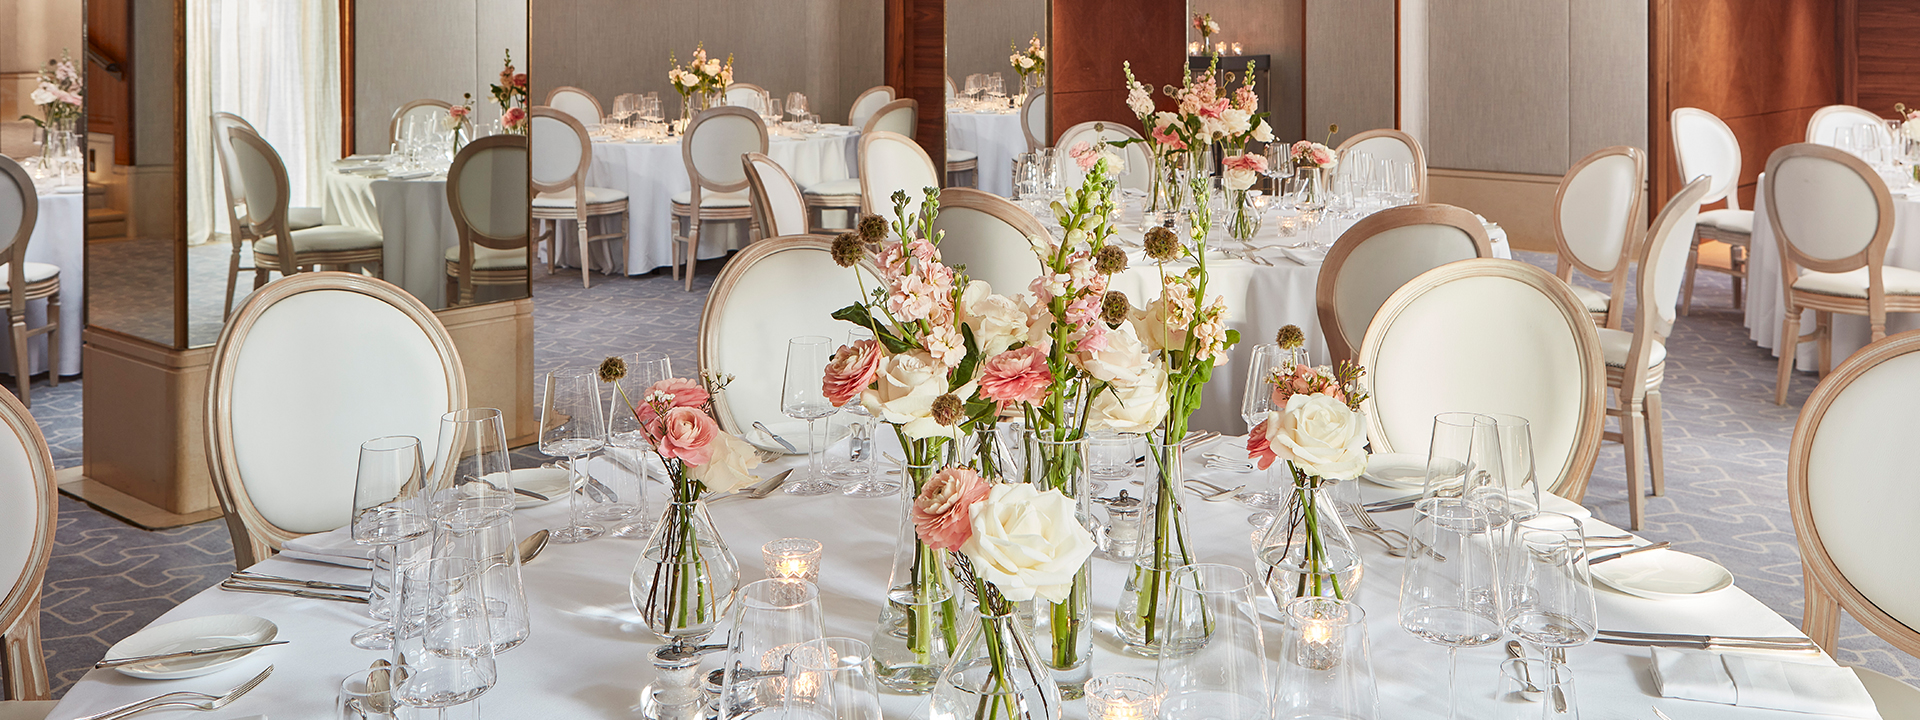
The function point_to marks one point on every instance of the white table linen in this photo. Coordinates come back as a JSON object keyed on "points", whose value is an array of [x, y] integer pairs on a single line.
{"points": [[588, 656], [650, 174], [996, 138], [1766, 305], [59, 238], [413, 217]]}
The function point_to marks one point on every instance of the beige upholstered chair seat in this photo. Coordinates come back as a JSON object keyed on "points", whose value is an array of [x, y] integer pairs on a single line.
{"points": [[595, 196], [960, 156], [735, 199], [1738, 221], [1594, 300], [301, 218], [1853, 283], [1614, 345], [37, 709], [35, 272], [848, 188], [326, 238], [486, 258]]}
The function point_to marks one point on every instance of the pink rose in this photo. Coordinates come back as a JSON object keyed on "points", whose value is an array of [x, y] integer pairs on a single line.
{"points": [[677, 393], [687, 435], [1016, 376], [942, 514], [850, 372], [1165, 137], [1324, 157], [520, 81], [1246, 161], [1259, 449], [514, 119]]}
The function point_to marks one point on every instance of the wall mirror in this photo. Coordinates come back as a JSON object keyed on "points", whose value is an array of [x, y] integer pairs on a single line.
{"points": [[1261, 40], [999, 66], [43, 73]]}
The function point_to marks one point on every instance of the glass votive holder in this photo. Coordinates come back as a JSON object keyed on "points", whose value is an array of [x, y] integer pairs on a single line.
{"points": [[792, 559], [1122, 697], [368, 695]]}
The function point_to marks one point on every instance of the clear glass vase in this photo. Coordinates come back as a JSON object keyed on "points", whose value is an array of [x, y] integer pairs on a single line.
{"points": [[996, 675], [1307, 551], [1325, 668], [684, 581], [1142, 610], [1166, 193], [920, 621], [1243, 220], [1056, 459], [1311, 189]]}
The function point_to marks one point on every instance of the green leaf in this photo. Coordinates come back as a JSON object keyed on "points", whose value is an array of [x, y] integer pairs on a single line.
{"points": [[964, 372]]}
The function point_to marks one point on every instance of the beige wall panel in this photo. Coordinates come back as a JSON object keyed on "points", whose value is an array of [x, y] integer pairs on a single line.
{"points": [[442, 49], [1271, 28], [1522, 204], [979, 34], [1498, 88], [863, 52], [1350, 66], [1607, 76]]}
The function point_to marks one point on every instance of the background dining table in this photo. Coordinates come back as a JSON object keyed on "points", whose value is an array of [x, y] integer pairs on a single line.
{"points": [[588, 655], [996, 137], [59, 238], [411, 214]]}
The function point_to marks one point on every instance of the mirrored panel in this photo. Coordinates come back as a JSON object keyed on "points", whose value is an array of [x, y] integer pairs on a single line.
{"points": [[42, 101], [1261, 40], [998, 64]]}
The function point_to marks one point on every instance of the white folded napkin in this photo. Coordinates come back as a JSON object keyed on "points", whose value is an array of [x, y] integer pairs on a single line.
{"points": [[1304, 256], [409, 175], [1755, 682], [334, 547]]}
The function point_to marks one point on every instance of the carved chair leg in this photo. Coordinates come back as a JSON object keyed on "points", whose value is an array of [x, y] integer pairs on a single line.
{"points": [[23, 666], [22, 372], [53, 340], [1788, 346], [1632, 428], [1656, 450]]}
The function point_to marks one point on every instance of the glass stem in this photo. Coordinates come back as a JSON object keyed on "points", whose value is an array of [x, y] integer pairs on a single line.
{"points": [[1453, 682], [817, 453], [575, 486]]}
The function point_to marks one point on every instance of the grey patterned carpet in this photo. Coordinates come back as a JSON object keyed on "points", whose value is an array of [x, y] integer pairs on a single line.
{"points": [[1726, 445]]}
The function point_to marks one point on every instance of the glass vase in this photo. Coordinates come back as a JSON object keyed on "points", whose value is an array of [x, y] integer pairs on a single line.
{"points": [[1310, 194], [1142, 610], [1243, 222], [996, 675], [685, 578], [1325, 665], [919, 622], [1307, 551], [1056, 459], [1167, 193]]}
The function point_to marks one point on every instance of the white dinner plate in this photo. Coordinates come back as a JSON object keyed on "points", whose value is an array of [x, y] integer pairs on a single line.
{"points": [[192, 634], [1663, 575], [1401, 471], [552, 482], [794, 431]]}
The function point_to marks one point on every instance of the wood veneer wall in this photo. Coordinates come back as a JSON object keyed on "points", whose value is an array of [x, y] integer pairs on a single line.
{"points": [[1091, 38], [917, 66], [1881, 61]]}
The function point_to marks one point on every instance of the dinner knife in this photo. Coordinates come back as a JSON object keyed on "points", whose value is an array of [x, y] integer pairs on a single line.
{"points": [[1714, 644], [1662, 545], [1778, 639], [238, 586], [757, 425], [138, 659]]}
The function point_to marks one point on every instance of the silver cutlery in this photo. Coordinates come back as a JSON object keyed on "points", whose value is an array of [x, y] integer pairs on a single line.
{"points": [[1216, 461], [1367, 522], [1216, 496], [1623, 553], [1661, 715], [1193, 441], [531, 545], [1558, 656], [517, 491], [138, 659], [1709, 644], [195, 700], [1392, 547], [1207, 488], [241, 586], [757, 425], [254, 577], [757, 492], [1526, 680], [1689, 637]]}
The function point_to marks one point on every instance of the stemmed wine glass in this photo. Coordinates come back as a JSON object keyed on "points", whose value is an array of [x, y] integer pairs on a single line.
{"points": [[1449, 593], [796, 105], [802, 397], [1254, 406], [443, 642], [1463, 461], [1548, 589], [389, 513], [860, 472], [571, 426], [627, 441]]}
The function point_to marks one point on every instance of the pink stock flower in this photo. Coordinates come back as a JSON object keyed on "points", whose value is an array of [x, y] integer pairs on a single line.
{"points": [[1083, 155], [1304, 380], [912, 299], [1016, 376], [1245, 98], [850, 372], [925, 251], [687, 435], [1259, 450], [1246, 161], [942, 513]]}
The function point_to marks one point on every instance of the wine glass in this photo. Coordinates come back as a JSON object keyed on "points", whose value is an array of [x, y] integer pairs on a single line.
{"points": [[624, 500], [832, 679], [1214, 664], [571, 426], [389, 513], [442, 642], [1254, 406], [1522, 496], [470, 465], [1548, 599], [770, 618], [802, 397], [1449, 592], [860, 472], [796, 104], [1463, 461]]}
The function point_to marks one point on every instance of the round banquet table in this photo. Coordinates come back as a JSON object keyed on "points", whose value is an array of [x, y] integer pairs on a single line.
{"points": [[650, 173], [996, 138], [59, 238], [588, 657], [412, 215], [1766, 307]]}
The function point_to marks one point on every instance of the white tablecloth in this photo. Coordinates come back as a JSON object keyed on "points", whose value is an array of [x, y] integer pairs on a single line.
{"points": [[1766, 307], [650, 173], [59, 238], [996, 138], [414, 218], [588, 657]]}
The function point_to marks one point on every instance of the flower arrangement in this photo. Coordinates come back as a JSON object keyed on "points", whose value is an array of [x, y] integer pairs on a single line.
{"points": [[458, 121], [1030, 61], [702, 76], [1203, 22], [1321, 434], [1309, 154], [58, 94], [511, 95], [1204, 114]]}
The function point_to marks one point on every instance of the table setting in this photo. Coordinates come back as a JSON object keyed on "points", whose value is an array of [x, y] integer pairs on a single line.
{"points": [[59, 239], [984, 119]]}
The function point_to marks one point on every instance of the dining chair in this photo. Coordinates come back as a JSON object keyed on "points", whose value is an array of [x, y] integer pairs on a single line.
{"points": [[1138, 173], [900, 116], [580, 104], [868, 103], [279, 247], [428, 107], [561, 153], [1852, 501], [1390, 144], [1491, 336], [26, 281], [488, 197], [1379, 254], [1827, 121], [778, 207], [1596, 224], [1704, 145], [952, 92], [1833, 216], [1637, 360], [711, 150], [988, 235], [774, 290], [307, 369], [748, 95], [889, 162], [1033, 119], [238, 233], [28, 515]]}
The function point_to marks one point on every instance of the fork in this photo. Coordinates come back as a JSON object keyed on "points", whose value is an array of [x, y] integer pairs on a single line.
{"points": [[195, 700], [1216, 492], [1216, 461]]}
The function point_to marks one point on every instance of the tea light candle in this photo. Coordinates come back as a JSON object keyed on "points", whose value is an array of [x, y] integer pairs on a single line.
{"points": [[1220, 48], [792, 558], [1122, 697], [1236, 49], [1193, 48]]}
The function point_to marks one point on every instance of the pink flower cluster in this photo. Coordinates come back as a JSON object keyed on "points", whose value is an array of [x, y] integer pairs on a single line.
{"points": [[1312, 154], [1016, 376], [943, 511], [850, 372], [1304, 380], [921, 287], [1251, 162]]}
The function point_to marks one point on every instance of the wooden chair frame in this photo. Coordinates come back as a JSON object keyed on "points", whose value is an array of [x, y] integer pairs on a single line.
{"points": [[757, 191], [461, 274], [1821, 114], [20, 292], [696, 215], [598, 111], [1326, 291], [287, 259], [880, 89], [393, 124], [23, 666], [866, 195], [766, 100], [1419, 155], [1615, 279], [1034, 142], [582, 209], [1738, 244]]}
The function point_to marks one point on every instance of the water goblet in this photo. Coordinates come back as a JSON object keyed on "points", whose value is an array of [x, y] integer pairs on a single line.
{"points": [[572, 426], [389, 514], [802, 398], [1449, 592]]}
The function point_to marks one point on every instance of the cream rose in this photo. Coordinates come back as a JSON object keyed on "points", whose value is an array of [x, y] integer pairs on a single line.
{"points": [[1027, 543], [730, 467], [1124, 360], [1319, 435], [1263, 132], [997, 321], [1135, 407], [1157, 329], [904, 391], [1237, 178]]}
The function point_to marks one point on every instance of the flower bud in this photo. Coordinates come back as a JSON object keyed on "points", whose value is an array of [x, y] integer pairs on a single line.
{"points": [[848, 250], [1110, 260], [1290, 337], [1162, 244]]}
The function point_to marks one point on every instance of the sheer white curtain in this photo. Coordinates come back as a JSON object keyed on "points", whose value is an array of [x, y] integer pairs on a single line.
{"points": [[277, 64]]}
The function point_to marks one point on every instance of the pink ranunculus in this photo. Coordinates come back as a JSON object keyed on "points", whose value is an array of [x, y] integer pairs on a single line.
{"points": [[459, 112], [683, 393], [1324, 157], [1016, 376], [942, 513], [1301, 146], [1259, 450], [514, 119], [851, 371], [1246, 161], [687, 435], [1166, 138], [1083, 155]]}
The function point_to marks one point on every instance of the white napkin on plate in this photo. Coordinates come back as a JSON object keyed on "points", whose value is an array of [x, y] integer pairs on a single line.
{"points": [[334, 547], [1756, 682], [1304, 256]]}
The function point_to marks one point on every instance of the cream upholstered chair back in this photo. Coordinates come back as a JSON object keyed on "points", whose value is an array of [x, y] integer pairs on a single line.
{"points": [[778, 206], [223, 154], [897, 116], [1663, 268], [559, 150], [27, 515], [893, 162], [19, 212], [487, 191], [307, 369], [1489, 336], [988, 234], [1850, 489], [425, 107], [774, 290], [1830, 211], [1704, 145], [747, 95], [264, 177], [1596, 219], [1380, 253], [582, 105], [1033, 119], [868, 103], [1390, 144], [1139, 170], [714, 143], [1823, 128]]}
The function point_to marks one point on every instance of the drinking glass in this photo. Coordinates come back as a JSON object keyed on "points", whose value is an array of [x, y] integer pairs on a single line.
{"points": [[770, 618], [1463, 461], [622, 494], [1449, 592], [1326, 668], [1548, 598], [368, 695], [1110, 457], [389, 513], [802, 398], [1843, 139], [775, 110], [485, 535], [1214, 663], [1536, 689], [858, 472], [442, 641], [1255, 403], [1522, 496], [571, 426], [470, 464], [832, 679], [796, 105]]}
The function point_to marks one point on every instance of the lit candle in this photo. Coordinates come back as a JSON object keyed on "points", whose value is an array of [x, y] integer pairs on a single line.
{"points": [[1193, 48], [1319, 642], [1236, 49], [792, 558], [1220, 48], [1122, 697]]}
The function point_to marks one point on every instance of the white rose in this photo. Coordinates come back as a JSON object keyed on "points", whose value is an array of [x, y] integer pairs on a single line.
{"points": [[1026, 63], [1124, 361], [1156, 331], [1238, 179], [713, 67], [1235, 121], [43, 94], [904, 391], [1165, 119], [731, 466], [1133, 407], [1319, 435], [1115, 164], [1263, 132], [1027, 543], [997, 321]]}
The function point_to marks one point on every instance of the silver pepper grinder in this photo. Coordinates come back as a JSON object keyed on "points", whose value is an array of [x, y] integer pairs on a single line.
{"points": [[1119, 538]]}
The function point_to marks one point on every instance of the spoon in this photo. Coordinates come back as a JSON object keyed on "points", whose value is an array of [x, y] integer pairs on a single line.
{"points": [[532, 546], [1514, 651]]}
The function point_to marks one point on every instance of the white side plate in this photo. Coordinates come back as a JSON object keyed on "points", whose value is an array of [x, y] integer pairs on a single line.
{"points": [[1401, 471], [1663, 575], [551, 482], [192, 634]]}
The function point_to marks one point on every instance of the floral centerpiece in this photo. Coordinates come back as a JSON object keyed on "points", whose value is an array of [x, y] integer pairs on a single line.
{"points": [[1321, 435], [58, 93], [458, 122], [1312, 161], [511, 95], [1030, 64], [1204, 24], [702, 78], [1205, 114]]}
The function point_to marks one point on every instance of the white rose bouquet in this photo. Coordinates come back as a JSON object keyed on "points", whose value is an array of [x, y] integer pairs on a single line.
{"points": [[1322, 436], [1030, 61]]}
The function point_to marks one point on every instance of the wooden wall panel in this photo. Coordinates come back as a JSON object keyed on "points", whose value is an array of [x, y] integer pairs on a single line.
{"points": [[1091, 38], [1887, 54], [916, 62]]}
